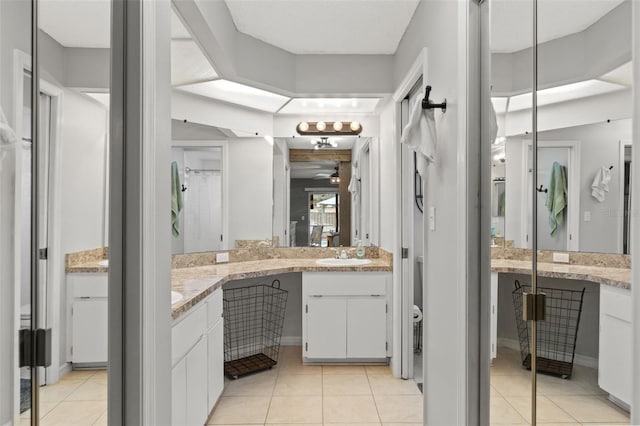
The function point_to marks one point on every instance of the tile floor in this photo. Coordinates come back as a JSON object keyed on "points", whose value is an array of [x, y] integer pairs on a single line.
{"points": [[577, 401], [79, 398], [293, 393]]}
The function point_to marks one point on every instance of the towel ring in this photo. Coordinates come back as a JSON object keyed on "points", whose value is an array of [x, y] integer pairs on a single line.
{"points": [[427, 104]]}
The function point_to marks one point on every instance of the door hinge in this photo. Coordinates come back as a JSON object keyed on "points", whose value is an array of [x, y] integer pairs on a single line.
{"points": [[221, 238], [43, 253], [386, 308], [38, 356], [306, 309], [386, 346], [306, 346], [367, 235], [533, 305], [405, 252]]}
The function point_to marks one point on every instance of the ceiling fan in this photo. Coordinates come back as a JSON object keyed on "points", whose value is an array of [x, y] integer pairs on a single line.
{"points": [[324, 143]]}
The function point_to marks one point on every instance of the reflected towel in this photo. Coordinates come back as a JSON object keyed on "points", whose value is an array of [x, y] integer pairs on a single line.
{"points": [[7, 135], [176, 199], [557, 196], [600, 184], [354, 183], [420, 135]]}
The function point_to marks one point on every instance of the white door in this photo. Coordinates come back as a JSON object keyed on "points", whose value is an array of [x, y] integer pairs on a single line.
{"points": [[560, 240], [366, 327], [326, 335], [197, 400]]}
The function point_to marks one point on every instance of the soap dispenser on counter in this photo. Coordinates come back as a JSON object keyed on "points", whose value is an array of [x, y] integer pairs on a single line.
{"points": [[360, 250]]}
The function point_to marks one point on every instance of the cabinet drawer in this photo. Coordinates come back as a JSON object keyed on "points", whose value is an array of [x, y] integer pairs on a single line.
{"points": [[615, 302], [88, 284], [214, 308], [186, 333], [345, 283]]}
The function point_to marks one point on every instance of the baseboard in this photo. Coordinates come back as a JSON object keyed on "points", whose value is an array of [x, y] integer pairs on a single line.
{"points": [[291, 341], [620, 403], [583, 360], [64, 369]]}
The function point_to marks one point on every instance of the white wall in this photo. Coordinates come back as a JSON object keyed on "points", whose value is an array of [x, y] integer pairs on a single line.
{"points": [[82, 167], [250, 189], [388, 177], [441, 26], [280, 192], [599, 146]]}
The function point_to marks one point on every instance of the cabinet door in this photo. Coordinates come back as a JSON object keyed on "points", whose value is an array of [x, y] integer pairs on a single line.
{"points": [[366, 327], [614, 363], [89, 334], [215, 367], [197, 400], [179, 394], [326, 335]]}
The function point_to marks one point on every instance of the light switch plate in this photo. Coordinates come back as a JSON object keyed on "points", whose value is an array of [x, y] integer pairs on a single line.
{"points": [[222, 257], [561, 257], [587, 216]]}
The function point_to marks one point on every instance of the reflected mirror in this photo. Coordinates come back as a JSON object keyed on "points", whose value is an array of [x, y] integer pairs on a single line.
{"points": [[584, 127]]}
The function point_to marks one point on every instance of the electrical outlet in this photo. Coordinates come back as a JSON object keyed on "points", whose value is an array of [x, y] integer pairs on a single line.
{"points": [[587, 216], [222, 257], [561, 257]]}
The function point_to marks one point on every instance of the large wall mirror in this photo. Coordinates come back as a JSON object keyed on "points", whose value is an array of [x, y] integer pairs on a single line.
{"points": [[584, 125]]}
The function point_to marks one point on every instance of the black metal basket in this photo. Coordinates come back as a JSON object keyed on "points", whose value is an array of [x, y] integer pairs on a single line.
{"points": [[556, 335], [253, 320]]}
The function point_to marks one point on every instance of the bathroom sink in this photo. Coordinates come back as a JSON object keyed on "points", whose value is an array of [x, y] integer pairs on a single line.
{"points": [[104, 263], [176, 297], [343, 262]]}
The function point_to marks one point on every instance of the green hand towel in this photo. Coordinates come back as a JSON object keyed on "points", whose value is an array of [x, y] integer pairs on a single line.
{"points": [[176, 199], [557, 196]]}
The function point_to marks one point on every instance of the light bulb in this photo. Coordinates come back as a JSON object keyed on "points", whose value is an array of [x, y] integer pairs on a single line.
{"points": [[355, 126], [337, 126], [321, 125], [304, 126]]}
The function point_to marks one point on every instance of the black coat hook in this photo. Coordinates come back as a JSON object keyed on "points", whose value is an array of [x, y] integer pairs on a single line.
{"points": [[427, 104], [542, 189], [183, 188], [611, 168]]}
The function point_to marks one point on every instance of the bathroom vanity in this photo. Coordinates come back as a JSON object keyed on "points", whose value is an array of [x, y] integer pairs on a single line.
{"points": [[345, 316], [614, 358]]}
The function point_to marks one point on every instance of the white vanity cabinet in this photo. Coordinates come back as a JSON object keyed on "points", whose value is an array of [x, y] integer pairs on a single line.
{"points": [[197, 359], [614, 360], [89, 318], [345, 316]]}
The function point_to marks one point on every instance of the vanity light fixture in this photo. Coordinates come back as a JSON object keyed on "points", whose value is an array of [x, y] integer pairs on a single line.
{"points": [[330, 128]]}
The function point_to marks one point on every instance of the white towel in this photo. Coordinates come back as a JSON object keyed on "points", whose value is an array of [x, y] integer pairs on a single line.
{"points": [[420, 135], [600, 185], [7, 135], [354, 183], [493, 124]]}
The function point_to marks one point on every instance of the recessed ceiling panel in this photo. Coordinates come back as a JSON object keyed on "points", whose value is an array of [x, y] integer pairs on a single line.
{"points": [[188, 64], [512, 21], [325, 27], [621, 75], [235, 93], [330, 105], [77, 23], [568, 92]]}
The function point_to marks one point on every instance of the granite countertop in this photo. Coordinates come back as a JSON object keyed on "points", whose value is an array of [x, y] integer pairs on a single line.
{"points": [[616, 277], [196, 283], [90, 266]]}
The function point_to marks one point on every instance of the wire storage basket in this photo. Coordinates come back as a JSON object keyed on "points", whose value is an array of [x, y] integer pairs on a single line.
{"points": [[253, 320], [556, 335]]}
